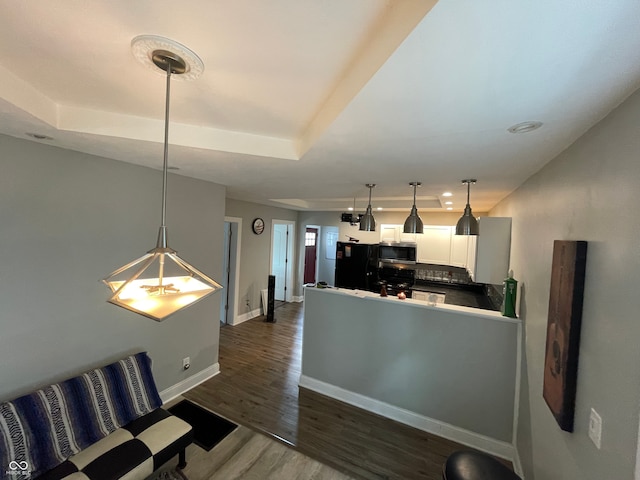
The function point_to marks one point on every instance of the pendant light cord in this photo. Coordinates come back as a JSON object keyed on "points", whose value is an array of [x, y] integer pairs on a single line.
{"points": [[468, 189], [165, 165], [162, 233]]}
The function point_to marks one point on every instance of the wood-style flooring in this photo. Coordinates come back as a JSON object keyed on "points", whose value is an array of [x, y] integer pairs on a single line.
{"points": [[245, 454], [257, 387]]}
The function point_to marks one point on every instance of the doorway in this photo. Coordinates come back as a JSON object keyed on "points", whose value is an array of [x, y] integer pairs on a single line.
{"points": [[310, 254], [231, 270], [282, 242]]}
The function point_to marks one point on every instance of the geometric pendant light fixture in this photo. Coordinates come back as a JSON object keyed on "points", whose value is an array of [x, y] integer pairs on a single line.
{"points": [[467, 225], [367, 222], [413, 223], [160, 283]]}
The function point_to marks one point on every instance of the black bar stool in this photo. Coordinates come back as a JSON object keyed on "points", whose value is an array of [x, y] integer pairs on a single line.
{"points": [[470, 465]]}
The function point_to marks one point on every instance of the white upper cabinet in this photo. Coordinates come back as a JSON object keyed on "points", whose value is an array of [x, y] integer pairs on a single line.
{"points": [[459, 249], [395, 233], [390, 233], [408, 237], [492, 251], [434, 245], [471, 254]]}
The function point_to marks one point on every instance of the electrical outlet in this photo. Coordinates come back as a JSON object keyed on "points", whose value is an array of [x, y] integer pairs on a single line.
{"points": [[186, 363], [595, 428]]}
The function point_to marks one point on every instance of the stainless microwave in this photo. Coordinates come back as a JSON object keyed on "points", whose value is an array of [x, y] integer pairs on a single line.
{"points": [[398, 252]]}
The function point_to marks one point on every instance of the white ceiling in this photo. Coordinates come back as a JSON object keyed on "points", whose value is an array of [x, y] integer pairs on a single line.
{"points": [[303, 102]]}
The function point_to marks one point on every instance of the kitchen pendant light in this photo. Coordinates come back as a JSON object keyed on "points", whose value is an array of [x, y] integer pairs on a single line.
{"points": [[413, 223], [160, 283], [467, 225], [367, 222]]}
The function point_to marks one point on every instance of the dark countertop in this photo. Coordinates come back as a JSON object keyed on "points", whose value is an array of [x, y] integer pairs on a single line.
{"points": [[458, 294]]}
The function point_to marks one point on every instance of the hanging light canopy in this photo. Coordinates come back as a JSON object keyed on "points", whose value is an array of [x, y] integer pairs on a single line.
{"points": [[413, 223], [160, 283], [367, 222], [467, 225]]}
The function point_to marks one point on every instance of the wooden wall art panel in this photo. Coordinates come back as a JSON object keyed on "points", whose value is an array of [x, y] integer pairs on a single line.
{"points": [[563, 329]]}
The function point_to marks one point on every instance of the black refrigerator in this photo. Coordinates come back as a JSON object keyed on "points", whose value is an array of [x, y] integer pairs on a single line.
{"points": [[357, 266]]}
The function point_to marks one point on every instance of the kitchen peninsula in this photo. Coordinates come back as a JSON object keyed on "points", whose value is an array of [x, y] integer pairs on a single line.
{"points": [[445, 369]]}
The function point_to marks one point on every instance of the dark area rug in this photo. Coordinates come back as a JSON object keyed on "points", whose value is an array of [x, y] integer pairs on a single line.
{"points": [[170, 475], [208, 428]]}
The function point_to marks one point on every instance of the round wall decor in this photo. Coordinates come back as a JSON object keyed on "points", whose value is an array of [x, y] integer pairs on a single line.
{"points": [[258, 226]]}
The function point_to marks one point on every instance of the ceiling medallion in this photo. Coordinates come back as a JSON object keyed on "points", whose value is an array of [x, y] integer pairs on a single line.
{"points": [[144, 47]]}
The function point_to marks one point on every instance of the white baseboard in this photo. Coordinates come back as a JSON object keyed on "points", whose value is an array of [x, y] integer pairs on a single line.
{"points": [[486, 444], [247, 316], [188, 383], [298, 299]]}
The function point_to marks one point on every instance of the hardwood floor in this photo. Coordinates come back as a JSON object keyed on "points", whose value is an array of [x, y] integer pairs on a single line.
{"points": [[245, 454], [258, 387]]}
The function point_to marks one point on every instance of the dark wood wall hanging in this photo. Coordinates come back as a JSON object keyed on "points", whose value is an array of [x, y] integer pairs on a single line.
{"points": [[563, 329]]}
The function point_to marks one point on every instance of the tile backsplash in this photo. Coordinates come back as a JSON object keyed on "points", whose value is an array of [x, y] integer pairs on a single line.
{"points": [[494, 292], [442, 273]]}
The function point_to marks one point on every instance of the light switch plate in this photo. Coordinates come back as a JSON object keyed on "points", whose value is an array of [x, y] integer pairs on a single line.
{"points": [[595, 428]]}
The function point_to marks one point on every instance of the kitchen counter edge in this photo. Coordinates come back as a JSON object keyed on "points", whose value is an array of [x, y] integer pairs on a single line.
{"points": [[370, 296]]}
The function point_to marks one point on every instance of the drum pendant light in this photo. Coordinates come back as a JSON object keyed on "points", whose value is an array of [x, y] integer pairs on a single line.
{"points": [[467, 225], [160, 283], [367, 222], [413, 223]]}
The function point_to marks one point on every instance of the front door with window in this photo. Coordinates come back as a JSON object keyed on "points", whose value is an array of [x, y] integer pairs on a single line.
{"points": [[310, 254]]}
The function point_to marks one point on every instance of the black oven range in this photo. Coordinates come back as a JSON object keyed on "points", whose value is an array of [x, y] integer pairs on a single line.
{"points": [[396, 280]]}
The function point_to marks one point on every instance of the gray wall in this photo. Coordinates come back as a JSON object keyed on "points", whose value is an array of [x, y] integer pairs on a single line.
{"points": [[440, 363], [255, 250], [589, 192], [69, 219]]}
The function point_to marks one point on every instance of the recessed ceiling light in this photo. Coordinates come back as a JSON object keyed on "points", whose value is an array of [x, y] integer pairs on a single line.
{"points": [[379, 208], [447, 194], [350, 209], [448, 203], [449, 208], [39, 136], [524, 127]]}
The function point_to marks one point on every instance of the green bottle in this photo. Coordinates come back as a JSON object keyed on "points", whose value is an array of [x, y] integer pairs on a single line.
{"points": [[509, 292]]}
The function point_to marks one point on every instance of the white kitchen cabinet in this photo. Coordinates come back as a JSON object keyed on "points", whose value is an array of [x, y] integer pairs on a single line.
{"points": [[493, 245], [395, 233], [408, 237], [459, 249], [471, 255], [390, 233], [434, 245]]}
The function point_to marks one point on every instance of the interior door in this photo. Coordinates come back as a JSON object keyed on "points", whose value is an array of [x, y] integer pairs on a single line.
{"points": [[310, 254], [226, 274], [279, 259], [229, 279], [282, 255]]}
